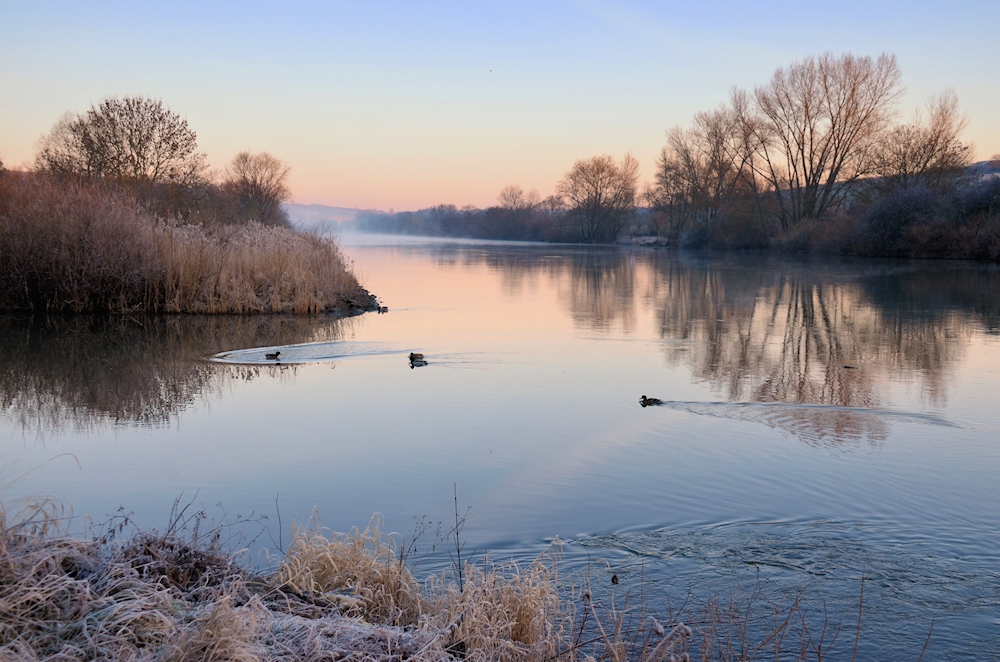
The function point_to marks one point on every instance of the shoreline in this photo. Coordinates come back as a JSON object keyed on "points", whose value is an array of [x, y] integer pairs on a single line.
{"points": [[183, 595]]}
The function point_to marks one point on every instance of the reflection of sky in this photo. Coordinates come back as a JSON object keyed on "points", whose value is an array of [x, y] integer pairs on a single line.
{"points": [[411, 104]]}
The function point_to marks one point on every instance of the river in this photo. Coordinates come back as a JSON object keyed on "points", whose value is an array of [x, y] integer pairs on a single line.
{"points": [[821, 419]]}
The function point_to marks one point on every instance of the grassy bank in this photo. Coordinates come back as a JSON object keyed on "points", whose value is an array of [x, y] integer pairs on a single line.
{"points": [[180, 595], [79, 246]]}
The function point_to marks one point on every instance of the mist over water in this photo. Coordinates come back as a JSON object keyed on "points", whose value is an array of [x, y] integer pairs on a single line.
{"points": [[820, 419]]}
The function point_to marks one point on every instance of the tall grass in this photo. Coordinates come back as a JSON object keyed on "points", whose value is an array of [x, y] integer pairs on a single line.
{"points": [[68, 246], [179, 595]]}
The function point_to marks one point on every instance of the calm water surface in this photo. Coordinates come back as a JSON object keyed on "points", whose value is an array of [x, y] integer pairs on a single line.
{"points": [[821, 419]]}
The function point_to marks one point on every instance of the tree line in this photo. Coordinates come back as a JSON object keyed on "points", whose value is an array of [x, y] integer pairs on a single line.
{"points": [[140, 145], [814, 159]]}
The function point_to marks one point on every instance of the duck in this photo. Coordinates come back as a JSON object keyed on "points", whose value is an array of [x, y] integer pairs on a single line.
{"points": [[272, 356], [416, 357], [646, 402]]}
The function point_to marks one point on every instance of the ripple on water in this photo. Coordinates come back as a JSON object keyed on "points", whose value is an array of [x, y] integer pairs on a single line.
{"points": [[817, 424], [909, 580], [307, 352], [320, 352]]}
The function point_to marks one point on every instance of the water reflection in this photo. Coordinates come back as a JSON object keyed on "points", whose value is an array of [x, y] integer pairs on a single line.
{"points": [[85, 371], [820, 334], [775, 330], [831, 334]]}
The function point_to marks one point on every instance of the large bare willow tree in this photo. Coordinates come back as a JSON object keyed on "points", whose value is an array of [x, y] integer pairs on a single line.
{"points": [[815, 125], [601, 195], [134, 139]]}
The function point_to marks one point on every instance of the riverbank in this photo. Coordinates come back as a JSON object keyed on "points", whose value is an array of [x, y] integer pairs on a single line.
{"points": [[79, 247], [182, 595], [179, 595]]}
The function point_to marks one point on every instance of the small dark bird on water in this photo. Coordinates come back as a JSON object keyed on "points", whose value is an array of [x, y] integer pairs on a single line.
{"points": [[645, 402], [272, 356], [416, 357], [614, 579]]}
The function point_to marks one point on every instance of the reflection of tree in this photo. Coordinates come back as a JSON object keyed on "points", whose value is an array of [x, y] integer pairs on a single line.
{"points": [[601, 290], [597, 284], [802, 334], [775, 330], [86, 370], [811, 334]]}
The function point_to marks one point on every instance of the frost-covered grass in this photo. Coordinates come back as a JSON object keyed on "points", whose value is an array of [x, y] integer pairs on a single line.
{"points": [[182, 595]]}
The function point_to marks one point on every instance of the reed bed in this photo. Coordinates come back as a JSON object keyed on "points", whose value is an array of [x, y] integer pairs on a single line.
{"points": [[69, 246], [180, 596]]}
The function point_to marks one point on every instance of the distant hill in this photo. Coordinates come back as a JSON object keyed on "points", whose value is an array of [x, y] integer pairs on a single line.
{"points": [[984, 168], [309, 217]]}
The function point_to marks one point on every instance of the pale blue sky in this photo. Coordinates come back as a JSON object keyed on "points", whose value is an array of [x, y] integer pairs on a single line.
{"points": [[408, 104]]}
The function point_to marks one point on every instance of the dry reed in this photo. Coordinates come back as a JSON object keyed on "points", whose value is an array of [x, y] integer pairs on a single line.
{"points": [[179, 597], [83, 247], [364, 564]]}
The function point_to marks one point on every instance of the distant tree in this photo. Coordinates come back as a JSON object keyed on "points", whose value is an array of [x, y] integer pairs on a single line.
{"points": [[513, 198], [811, 131], [552, 205], [257, 184], [601, 195], [925, 153], [513, 217], [133, 140]]}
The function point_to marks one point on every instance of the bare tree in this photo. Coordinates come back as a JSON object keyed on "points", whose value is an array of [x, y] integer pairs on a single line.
{"points": [[133, 140], [513, 198], [601, 195], [927, 153], [257, 181], [698, 171], [814, 127]]}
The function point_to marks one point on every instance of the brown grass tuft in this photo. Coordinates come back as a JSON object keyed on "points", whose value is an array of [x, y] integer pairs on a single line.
{"points": [[503, 613], [361, 565]]}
